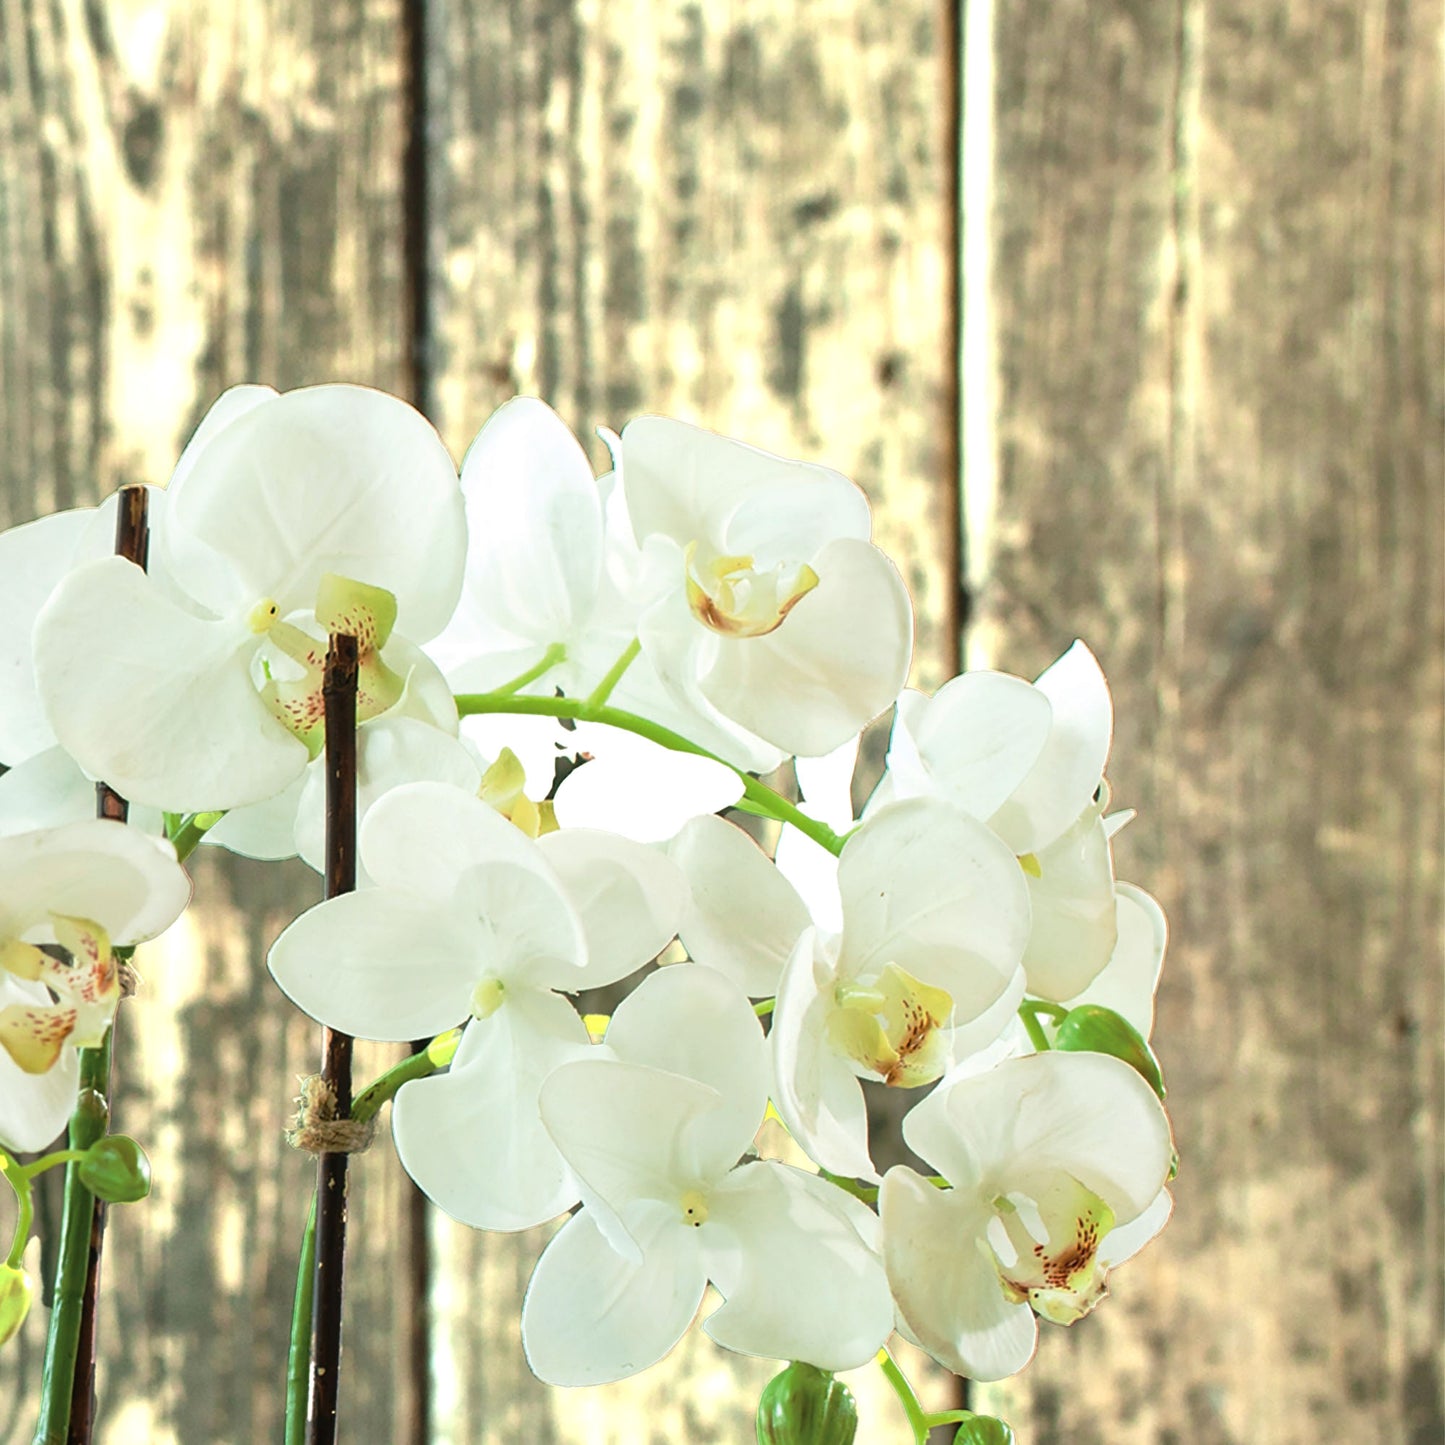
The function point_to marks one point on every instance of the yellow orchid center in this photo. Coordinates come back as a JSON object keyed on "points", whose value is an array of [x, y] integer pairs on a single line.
{"points": [[1054, 1239], [487, 997], [729, 595], [342, 605], [501, 788], [891, 1028], [87, 990], [694, 1208]]}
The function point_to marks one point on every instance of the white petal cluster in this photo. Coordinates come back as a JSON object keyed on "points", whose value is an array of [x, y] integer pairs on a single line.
{"points": [[565, 680]]}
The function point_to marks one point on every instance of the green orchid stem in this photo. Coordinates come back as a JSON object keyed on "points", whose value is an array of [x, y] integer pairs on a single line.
{"points": [[79, 1229], [764, 1007], [603, 690], [298, 1356], [917, 1419], [757, 798], [189, 830], [19, 1180], [553, 655], [368, 1104], [1029, 1011]]}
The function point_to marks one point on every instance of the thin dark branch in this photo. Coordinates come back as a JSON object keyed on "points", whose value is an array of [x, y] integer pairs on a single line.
{"points": [[339, 692], [132, 541]]}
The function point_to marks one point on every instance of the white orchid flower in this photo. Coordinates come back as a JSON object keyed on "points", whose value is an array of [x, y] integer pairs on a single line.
{"points": [[761, 565], [333, 506], [85, 886], [926, 968], [1057, 1164], [655, 1135], [469, 919], [1025, 758]]}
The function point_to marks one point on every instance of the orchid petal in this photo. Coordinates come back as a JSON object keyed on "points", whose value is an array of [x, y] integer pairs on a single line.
{"points": [[798, 1280], [977, 740], [723, 866], [592, 1316], [534, 520], [815, 1091], [1086, 1115], [423, 837], [686, 482], [631, 1132], [1071, 898], [34, 1108], [390, 751], [473, 1138], [1129, 979], [693, 1021], [325, 479], [933, 891], [945, 1280], [157, 702], [795, 687], [628, 897], [381, 965], [1069, 769], [125, 882]]}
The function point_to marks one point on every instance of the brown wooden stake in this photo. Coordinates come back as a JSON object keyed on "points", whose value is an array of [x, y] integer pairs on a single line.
{"points": [[132, 541], [339, 694]]}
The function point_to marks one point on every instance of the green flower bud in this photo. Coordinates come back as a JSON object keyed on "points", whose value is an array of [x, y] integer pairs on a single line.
{"points": [[16, 1292], [1093, 1029], [806, 1406], [983, 1430], [116, 1170]]}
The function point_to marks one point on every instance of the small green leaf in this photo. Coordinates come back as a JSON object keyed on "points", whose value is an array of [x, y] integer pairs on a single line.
{"points": [[116, 1170], [806, 1406], [983, 1430], [1092, 1028]]}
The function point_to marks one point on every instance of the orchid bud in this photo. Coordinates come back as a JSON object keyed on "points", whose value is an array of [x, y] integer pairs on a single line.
{"points": [[806, 1406], [983, 1430], [116, 1170], [1091, 1028], [16, 1292]]}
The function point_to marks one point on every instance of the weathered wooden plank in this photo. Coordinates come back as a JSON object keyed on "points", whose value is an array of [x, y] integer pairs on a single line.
{"points": [[193, 195], [739, 214], [1219, 303]]}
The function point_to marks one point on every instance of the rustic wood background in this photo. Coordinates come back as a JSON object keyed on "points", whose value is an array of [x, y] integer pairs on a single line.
{"points": [[1152, 295]]}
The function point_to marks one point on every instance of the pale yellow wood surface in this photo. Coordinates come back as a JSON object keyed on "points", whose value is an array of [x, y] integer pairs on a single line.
{"points": [[193, 195], [1220, 284]]}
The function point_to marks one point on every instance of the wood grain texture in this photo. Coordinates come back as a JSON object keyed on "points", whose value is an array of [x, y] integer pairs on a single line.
{"points": [[193, 195], [1220, 302], [734, 213]]}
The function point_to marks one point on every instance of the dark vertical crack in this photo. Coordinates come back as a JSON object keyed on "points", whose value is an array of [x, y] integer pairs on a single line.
{"points": [[957, 602], [413, 1420]]}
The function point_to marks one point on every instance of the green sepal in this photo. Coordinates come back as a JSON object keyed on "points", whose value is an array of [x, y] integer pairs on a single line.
{"points": [[806, 1406], [16, 1292], [116, 1170], [1092, 1028], [984, 1430]]}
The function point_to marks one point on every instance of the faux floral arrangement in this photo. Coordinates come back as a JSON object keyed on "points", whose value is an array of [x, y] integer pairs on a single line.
{"points": [[505, 714]]}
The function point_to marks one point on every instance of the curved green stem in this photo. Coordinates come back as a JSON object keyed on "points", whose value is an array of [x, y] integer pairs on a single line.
{"points": [[553, 655], [1029, 1011], [758, 798], [917, 1420], [188, 831], [603, 690]]}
